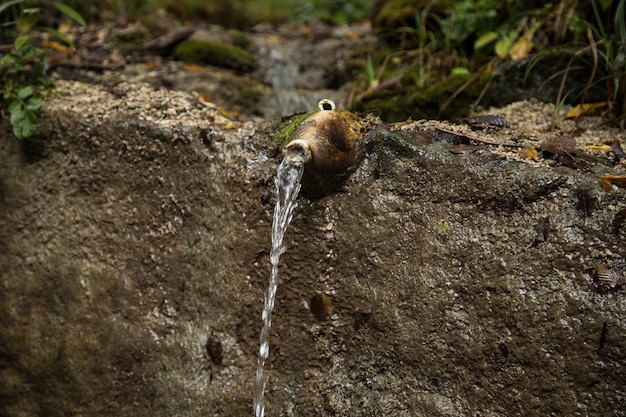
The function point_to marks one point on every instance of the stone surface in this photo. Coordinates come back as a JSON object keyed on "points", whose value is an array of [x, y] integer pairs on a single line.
{"points": [[136, 225]]}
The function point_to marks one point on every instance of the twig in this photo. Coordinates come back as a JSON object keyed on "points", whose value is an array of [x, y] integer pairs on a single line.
{"points": [[477, 139]]}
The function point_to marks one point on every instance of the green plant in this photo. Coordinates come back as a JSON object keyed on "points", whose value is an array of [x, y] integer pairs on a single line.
{"points": [[23, 78]]}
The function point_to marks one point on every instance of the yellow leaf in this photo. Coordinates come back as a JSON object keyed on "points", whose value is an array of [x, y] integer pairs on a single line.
{"points": [[585, 108], [530, 153], [520, 49], [605, 148], [55, 46], [617, 180], [195, 68]]}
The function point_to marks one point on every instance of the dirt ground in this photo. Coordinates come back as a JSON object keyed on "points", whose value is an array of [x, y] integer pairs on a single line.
{"points": [[136, 225]]}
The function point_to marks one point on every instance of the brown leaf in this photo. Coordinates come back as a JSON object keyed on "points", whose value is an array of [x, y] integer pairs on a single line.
{"points": [[321, 305], [529, 153], [616, 147], [215, 350], [618, 180], [560, 145], [608, 278], [488, 119]]}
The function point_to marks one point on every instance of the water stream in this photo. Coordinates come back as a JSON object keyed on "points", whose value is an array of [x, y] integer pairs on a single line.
{"points": [[287, 186]]}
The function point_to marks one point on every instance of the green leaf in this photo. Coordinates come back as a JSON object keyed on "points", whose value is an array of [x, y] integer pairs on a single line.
{"points": [[369, 70], [22, 40], [45, 80], [25, 92], [33, 103], [68, 11], [8, 4], [32, 10], [7, 59], [62, 36], [503, 46], [485, 39], [15, 110], [460, 71], [24, 121]]}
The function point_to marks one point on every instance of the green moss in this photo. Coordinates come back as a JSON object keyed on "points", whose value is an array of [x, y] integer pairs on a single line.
{"points": [[408, 101], [430, 101], [214, 53], [285, 129], [240, 39]]}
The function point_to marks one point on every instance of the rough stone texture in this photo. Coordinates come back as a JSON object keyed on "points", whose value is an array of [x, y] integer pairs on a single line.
{"points": [[126, 242]]}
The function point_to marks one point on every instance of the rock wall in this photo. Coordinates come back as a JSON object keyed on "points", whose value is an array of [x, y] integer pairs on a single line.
{"points": [[126, 243]]}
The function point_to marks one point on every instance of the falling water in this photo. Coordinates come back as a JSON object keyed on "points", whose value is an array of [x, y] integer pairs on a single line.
{"points": [[287, 187]]}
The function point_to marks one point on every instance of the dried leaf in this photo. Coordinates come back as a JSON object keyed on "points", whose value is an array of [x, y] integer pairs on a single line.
{"points": [[215, 350], [560, 145], [617, 180], [608, 278], [488, 119], [55, 46], [205, 100], [605, 148], [585, 108], [231, 125], [321, 306], [521, 49], [616, 147], [529, 153]]}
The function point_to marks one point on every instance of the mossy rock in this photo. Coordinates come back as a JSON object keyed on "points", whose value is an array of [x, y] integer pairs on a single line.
{"points": [[408, 101], [202, 52], [285, 128]]}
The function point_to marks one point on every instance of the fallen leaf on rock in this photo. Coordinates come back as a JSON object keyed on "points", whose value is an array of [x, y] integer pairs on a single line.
{"points": [[205, 100], [560, 145], [215, 350], [605, 148], [231, 125], [529, 153], [489, 119], [607, 181], [608, 278], [616, 148], [321, 305]]}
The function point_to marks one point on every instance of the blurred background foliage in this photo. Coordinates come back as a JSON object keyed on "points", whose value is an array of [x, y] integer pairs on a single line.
{"points": [[230, 13], [433, 54]]}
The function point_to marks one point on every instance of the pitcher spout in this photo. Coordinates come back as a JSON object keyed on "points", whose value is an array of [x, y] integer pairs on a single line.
{"points": [[328, 142]]}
